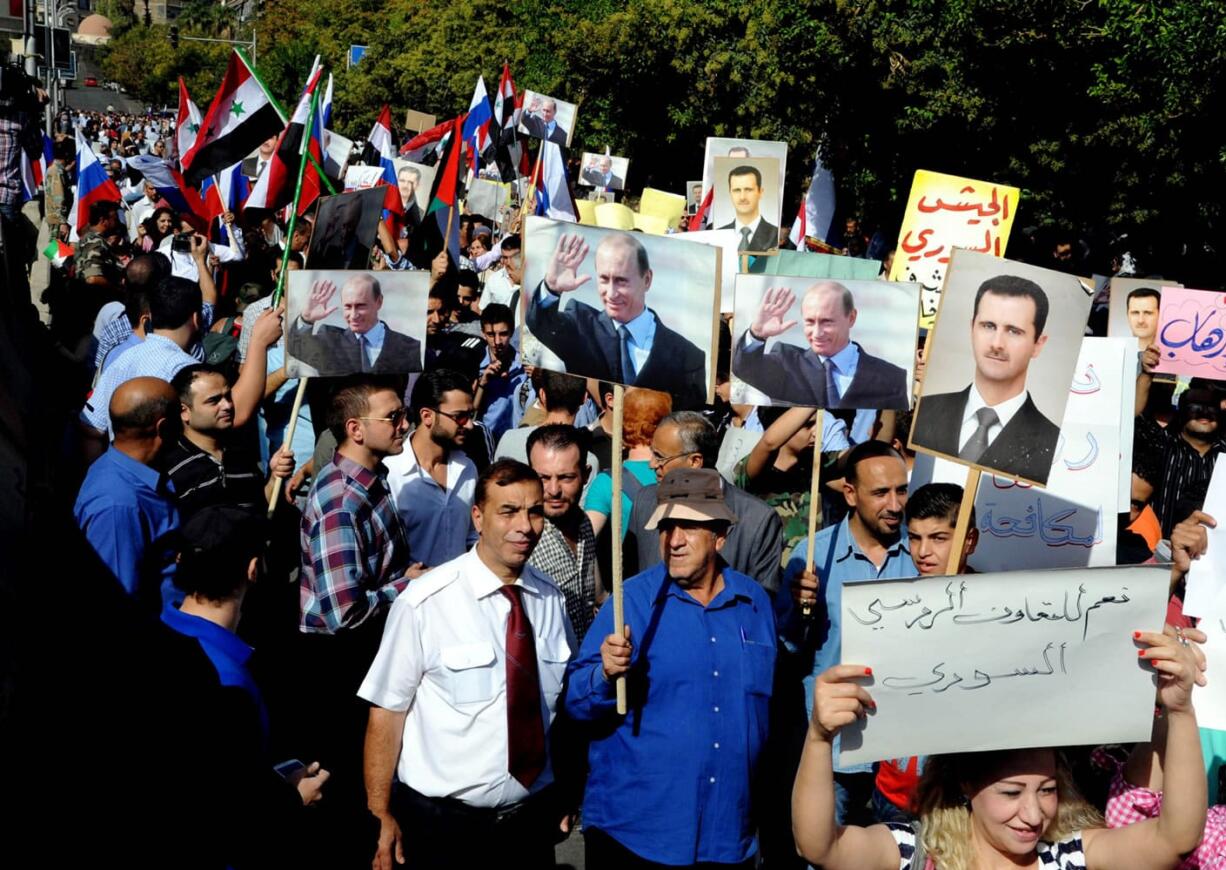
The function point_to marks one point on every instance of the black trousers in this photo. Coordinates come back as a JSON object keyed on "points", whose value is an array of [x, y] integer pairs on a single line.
{"points": [[447, 833], [602, 852]]}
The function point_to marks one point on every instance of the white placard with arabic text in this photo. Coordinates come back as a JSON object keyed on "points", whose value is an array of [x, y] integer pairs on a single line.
{"points": [[1210, 700], [999, 661]]}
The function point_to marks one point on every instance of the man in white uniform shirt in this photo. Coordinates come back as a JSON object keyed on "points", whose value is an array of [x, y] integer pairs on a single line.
{"points": [[463, 693]]}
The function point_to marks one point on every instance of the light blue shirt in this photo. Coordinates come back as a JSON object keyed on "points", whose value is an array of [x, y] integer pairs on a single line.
{"points": [[837, 559], [845, 363], [155, 357], [642, 331], [374, 342]]}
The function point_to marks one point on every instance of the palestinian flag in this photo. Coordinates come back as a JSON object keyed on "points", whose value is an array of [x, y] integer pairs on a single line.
{"points": [[240, 117], [446, 182], [427, 239], [275, 186]]}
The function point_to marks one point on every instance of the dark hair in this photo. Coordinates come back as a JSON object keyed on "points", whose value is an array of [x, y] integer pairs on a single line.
{"points": [[503, 472], [1014, 285], [640, 253], [216, 547], [697, 435], [141, 419], [296, 257], [101, 210], [430, 388], [468, 278], [563, 391], [559, 436], [866, 450], [444, 293], [1144, 293], [186, 376], [935, 501], [510, 242], [151, 223], [746, 170], [496, 312], [173, 302], [65, 149], [353, 400]]}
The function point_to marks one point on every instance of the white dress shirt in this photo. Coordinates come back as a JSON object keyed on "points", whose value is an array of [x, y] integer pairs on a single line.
{"points": [[753, 227], [1004, 413], [437, 521], [183, 265], [443, 659]]}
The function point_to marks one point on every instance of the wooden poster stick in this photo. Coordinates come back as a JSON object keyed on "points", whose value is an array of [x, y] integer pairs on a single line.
{"points": [[964, 519], [619, 610], [815, 500], [288, 441]]}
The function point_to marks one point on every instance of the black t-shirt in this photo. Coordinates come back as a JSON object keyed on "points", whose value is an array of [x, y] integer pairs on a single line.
{"points": [[200, 480]]}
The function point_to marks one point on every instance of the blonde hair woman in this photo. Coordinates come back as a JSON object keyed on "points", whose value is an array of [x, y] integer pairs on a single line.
{"points": [[1008, 809]]}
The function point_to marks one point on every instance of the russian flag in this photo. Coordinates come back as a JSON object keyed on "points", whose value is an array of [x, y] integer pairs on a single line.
{"points": [[171, 186], [228, 196], [477, 124], [34, 168], [553, 197], [93, 184]]}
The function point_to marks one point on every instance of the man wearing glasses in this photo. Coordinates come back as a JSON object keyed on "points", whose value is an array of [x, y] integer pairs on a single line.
{"points": [[432, 481], [355, 561]]}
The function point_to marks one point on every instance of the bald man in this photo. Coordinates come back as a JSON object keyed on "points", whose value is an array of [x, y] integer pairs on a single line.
{"points": [[124, 507], [833, 371], [364, 344], [625, 342]]}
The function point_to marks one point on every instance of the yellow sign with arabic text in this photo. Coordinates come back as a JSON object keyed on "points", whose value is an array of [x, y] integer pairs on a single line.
{"points": [[946, 212]]}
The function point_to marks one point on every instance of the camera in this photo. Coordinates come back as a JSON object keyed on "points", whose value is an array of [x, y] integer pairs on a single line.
{"points": [[18, 91], [182, 243]]}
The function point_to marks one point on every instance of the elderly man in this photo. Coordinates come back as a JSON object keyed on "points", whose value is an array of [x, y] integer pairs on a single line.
{"points": [[833, 372], [756, 232], [364, 344], [625, 342], [464, 690], [670, 783]]}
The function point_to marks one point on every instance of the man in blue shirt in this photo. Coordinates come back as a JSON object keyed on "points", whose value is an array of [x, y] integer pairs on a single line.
{"points": [[670, 782], [502, 390], [124, 506], [869, 544]]}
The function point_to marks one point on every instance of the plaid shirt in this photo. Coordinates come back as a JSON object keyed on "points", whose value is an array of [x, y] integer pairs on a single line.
{"points": [[11, 188], [354, 550], [574, 572]]}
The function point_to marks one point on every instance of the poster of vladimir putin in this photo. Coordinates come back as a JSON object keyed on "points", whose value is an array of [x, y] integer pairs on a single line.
{"points": [[819, 343], [627, 308], [548, 119], [997, 400], [345, 322], [603, 170]]}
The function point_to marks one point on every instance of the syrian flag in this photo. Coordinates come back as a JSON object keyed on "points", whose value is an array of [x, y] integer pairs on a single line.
{"points": [[427, 240], [93, 184], [240, 117], [383, 154], [275, 186], [817, 209], [476, 131], [508, 152], [417, 149], [187, 126], [553, 197], [171, 187]]}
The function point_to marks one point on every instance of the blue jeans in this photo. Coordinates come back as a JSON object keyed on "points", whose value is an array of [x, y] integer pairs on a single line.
{"points": [[885, 811]]}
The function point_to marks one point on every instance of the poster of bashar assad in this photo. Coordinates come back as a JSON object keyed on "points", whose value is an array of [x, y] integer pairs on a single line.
{"points": [[1133, 308], [999, 364], [546, 118], [821, 343], [603, 170], [627, 308], [747, 201], [345, 322], [718, 146], [415, 181], [345, 229], [693, 196]]}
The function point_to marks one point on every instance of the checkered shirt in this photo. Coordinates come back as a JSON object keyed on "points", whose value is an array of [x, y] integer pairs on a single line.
{"points": [[155, 357], [116, 331], [573, 572], [354, 549]]}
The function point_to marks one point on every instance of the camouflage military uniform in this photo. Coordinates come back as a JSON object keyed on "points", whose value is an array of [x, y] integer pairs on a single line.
{"points": [[94, 258], [58, 197]]}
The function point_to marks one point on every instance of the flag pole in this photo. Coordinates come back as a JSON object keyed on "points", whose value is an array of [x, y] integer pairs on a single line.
{"points": [[533, 181], [615, 532], [278, 293]]}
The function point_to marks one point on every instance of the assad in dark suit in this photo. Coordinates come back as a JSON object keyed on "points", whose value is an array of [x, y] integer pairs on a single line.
{"points": [[335, 350], [797, 375], [764, 238], [536, 125], [745, 191], [586, 339]]}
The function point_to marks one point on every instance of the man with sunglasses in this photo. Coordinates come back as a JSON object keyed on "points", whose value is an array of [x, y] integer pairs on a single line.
{"points": [[432, 481]]}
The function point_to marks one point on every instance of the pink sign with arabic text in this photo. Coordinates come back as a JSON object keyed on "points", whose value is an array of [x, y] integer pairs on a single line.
{"points": [[1191, 336]]}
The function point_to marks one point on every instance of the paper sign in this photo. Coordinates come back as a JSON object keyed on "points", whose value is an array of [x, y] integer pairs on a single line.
{"points": [[614, 216], [1002, 661], [1192, 333], [669, 206], [1210, 700], [946, 212], [650, 223], [360, 177], [726, 241], [822, 266], [487, 197], [587, 211], [1207, 576]]}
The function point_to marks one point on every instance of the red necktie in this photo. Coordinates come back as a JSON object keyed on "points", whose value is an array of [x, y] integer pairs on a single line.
{"points": [[525, 730]]}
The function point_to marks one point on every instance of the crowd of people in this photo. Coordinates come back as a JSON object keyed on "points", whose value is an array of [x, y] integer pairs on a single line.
{"points": [[392, 634]]}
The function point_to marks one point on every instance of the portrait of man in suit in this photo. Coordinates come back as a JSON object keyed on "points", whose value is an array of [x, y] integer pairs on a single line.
{"points": [[745, 190], [833, 371], [539, 119], [254, 165], [599, 173], [1143, 304], [407, 179], [993, 422], [364, 344], [624, 341]]}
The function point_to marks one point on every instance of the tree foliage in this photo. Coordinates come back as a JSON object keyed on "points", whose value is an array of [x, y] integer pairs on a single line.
{"points": [[1103, 111]]}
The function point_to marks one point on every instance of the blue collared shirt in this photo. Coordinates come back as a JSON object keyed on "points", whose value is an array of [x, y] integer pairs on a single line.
{"points": [[503, 400], [837, 559], [374, 342], [156, 356], [123, 508], [671, 782], [642, 331], [225, 650], [845, 363]]}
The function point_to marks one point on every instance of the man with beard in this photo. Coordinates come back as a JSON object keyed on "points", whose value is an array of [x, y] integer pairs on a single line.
{"points": [[869, 544], [502, 390], [566, 553], [432, 481]]}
